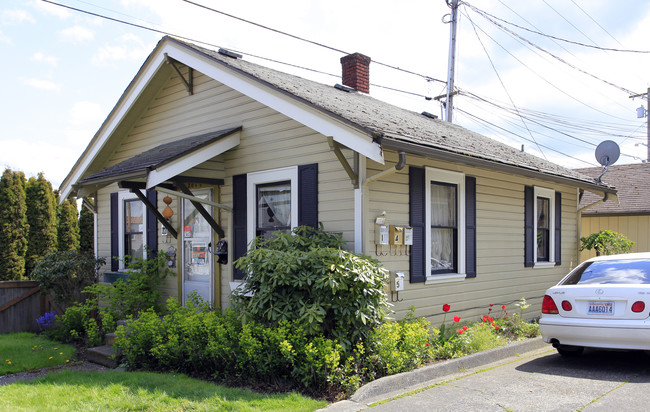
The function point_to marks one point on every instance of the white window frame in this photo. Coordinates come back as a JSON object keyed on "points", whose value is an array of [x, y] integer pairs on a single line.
{"points": [[458, 179], [269, 176], [121, 197], [550, 195]]}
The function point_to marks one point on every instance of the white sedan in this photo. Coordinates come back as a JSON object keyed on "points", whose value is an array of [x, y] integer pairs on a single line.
{"points": [[602, 303]]}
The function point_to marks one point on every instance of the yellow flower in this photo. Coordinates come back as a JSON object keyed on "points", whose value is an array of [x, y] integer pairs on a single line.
{"points": [[60, 353], [67, 360], [50, 357], [9, 362]]}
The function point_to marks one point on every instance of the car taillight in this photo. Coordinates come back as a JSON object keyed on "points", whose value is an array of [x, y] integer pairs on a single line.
{"points": [[549, 306], [638, 307], [566, 305]]}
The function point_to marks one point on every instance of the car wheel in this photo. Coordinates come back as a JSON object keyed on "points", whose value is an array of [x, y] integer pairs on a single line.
{"points": [[567, 350]]}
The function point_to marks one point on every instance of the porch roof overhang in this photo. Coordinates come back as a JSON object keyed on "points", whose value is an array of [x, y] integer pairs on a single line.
{"points": [[163, 163]]}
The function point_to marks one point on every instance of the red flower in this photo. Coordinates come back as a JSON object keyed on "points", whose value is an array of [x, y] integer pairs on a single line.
{"points": [[456, 319], [491, 304], [465, 328], [460, 331], [427, 343], [490, 310], [503, 307], [445, 308], [496, 328], [490, 320], [485, 318]]}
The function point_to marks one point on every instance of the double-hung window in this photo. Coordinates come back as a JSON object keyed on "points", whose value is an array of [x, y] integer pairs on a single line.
{"points": [[542, 216], [442, 214]]}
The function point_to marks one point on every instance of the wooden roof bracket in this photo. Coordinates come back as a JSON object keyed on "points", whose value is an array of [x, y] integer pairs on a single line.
{"points": [[151, 207], [199, 207], [352, 171], [189, 82], [90, 204]]}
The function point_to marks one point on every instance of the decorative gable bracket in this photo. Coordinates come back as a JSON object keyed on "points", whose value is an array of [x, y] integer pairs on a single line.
{"points": [[352, 171], [189, 82]]}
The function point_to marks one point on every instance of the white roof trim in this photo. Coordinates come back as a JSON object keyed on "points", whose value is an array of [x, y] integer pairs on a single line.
{"points": [[190, 160], [303, 113]]}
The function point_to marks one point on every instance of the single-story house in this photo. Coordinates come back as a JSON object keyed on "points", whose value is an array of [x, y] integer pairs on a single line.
{"points": [[236, 150], [630, 216]]}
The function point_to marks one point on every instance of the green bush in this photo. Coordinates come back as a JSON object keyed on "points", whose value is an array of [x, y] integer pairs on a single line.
{"points": [[141, 290], [606, 242], [306, 276], [66, 275]]}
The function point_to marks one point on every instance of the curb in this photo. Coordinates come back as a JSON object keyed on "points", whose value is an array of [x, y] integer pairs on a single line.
{"points": [[393, 385]]}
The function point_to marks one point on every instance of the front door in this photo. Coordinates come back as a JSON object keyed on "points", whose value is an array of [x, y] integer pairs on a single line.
{"points": [[197, 250]]}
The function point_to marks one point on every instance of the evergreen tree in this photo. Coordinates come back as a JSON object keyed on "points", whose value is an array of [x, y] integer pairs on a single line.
{"points": [[67, 227], [13, 225], [86, 230], [41, 215]]}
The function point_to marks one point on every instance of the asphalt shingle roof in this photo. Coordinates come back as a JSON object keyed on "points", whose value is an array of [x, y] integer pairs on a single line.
{"points": [[159, 155], [374, 115], [633, 184]]}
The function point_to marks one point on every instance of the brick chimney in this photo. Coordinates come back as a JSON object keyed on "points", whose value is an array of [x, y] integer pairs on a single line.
{"points": [[355, 72]]}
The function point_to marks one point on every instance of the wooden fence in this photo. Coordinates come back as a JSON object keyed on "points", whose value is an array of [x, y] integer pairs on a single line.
{"points": [[21, 303]]}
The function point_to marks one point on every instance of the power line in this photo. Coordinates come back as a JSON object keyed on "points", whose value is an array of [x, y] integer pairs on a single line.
{"points": [[486, 14], [309, 41], [504, 86], [568, 21], [598, 24]]}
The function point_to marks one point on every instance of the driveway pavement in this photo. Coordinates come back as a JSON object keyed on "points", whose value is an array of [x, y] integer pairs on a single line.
{"points": [[527, 376]]}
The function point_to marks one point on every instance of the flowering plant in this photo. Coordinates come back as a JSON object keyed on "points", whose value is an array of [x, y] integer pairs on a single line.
{"points": [[46, 321]]}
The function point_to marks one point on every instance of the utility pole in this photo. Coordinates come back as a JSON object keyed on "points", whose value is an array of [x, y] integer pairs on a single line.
{"points": [[647, 116], [449, 104]]}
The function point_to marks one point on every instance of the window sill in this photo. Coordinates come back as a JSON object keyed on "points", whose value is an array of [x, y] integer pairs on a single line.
{"points": [[445, 278], [544, 265]]}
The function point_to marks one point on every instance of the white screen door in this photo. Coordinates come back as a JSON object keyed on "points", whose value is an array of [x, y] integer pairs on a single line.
{"points": [[197, 249]]}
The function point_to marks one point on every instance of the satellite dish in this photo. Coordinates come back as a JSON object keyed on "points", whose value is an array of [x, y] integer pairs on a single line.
{"points": [[607, 153]]}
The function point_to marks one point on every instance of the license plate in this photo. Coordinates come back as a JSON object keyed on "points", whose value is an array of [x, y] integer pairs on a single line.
{"points": [[600, 308]]}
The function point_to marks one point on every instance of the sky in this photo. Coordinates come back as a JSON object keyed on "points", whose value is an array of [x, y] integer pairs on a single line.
{"points": [[63, 70]]}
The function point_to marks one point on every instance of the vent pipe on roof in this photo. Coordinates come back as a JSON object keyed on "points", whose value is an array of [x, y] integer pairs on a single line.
{"points": [[356, 72]]}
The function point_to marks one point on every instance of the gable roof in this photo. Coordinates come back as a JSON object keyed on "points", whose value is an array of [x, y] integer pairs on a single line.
{"points": [[632, 182], [355, 120]]}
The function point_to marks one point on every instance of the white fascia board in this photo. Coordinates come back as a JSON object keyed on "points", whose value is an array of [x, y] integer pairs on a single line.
{"points": [[126, 102], [185, 163], [301, 112]]}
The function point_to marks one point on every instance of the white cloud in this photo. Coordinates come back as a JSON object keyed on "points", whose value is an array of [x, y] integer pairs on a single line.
{"points": [[129, 47], [85, 113], [41, 84], [15, 17], [43, 157], [77, 34], [43, 58], [5, 39], [51, 9]]}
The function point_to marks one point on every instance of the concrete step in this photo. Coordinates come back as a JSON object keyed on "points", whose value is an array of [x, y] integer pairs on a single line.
{"points": [[110, 338], [102, 355]]}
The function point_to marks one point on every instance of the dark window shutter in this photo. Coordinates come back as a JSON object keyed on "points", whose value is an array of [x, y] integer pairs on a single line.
{"points": [[115, 230], [529, 226], [558, 228], [239, 242], [470, 226], [416, 220], [152, 225], [308, 195]]}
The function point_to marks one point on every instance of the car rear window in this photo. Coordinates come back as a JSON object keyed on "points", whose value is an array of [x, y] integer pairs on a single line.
{"points": [[625, 271]]}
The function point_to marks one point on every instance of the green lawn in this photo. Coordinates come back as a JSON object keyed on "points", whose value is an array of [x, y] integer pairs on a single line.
{"points": [[26, 351], [142, 391]]}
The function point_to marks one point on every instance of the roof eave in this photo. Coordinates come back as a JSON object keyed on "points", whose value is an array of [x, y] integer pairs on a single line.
{"points": [[433, 152]]}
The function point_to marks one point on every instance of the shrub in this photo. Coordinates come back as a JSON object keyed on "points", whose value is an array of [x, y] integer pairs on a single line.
{"points": [[606, 242], [306, 276], [141, 290], [66, 275]]}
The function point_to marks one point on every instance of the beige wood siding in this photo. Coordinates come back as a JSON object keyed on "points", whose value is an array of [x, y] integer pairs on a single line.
{"points": [[501, 275], [635, 228], [269, 140]]}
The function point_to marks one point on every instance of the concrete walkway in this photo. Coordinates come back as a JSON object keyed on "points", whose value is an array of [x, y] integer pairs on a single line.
{"points": [[394, 386]]}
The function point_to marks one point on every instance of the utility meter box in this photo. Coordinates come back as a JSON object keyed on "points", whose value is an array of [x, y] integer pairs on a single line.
{"points": [[381, 235], [396, 281]]}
